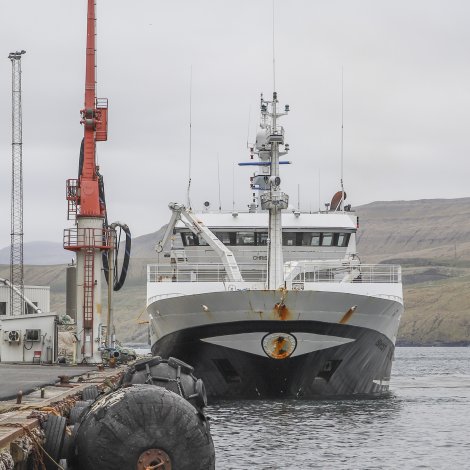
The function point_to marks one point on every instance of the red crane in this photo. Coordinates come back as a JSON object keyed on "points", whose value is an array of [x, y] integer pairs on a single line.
{"points": [[95, 120], [86, 204]]}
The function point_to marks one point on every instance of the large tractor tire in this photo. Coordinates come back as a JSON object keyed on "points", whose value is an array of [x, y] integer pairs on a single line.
{"points": [[141, 426]]}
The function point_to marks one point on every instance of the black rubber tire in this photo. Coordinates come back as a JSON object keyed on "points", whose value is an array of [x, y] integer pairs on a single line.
{"points": [[90, 393], [141, 365], [76, 414], [126, 423], [186, 368], [54, 430], [201, 399], [172, 374], [67, 443], [84, 403], [72, 460]]}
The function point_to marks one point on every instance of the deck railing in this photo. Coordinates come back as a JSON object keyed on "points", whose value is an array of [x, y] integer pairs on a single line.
{"points": [[296, 272]]}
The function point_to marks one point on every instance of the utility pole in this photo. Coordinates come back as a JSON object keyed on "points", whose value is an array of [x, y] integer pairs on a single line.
{"points": [[16, 246]]}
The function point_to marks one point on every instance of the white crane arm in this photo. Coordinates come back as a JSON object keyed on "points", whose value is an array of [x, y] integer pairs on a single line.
{"points": [[198, 228], [175, 216]]}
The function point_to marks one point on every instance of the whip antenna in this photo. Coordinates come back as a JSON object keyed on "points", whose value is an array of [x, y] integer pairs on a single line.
{"points": [[233, 187], [248, 131], [190, 135], [342, 132], [274, 56], [218, 178]]}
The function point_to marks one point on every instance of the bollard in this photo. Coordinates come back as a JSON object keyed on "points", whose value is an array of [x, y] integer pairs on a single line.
{"points": [[43, 392], [19, 397]]}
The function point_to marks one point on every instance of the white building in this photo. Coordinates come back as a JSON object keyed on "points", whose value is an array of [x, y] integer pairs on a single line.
{"points": [[30, 337]]}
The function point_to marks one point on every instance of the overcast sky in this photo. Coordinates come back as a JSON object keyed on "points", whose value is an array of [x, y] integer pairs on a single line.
{"points": [[406, 101]]}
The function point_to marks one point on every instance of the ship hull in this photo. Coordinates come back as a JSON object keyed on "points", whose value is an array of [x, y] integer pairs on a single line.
{"points": [[342, 357]]}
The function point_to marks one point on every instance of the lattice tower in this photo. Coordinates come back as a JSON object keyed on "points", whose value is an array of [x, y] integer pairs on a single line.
{"points": [[16, 250]]}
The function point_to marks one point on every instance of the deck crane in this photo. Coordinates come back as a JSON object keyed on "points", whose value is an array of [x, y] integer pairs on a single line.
{"points": [[92, 239], [180, 213]]}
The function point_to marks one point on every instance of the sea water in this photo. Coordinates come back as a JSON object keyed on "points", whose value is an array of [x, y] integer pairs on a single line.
{"points": [[423, 424]]}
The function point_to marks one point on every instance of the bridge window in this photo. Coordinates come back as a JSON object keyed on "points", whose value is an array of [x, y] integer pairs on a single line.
{"points": [[245, 238], [343, 239], [315, 239], [310, 239], [190, 239], [289, 238], [262, 238], [227, 238], [327, 239]]}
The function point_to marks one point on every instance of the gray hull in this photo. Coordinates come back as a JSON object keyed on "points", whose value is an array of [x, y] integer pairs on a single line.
{"points": [[221, 334]]}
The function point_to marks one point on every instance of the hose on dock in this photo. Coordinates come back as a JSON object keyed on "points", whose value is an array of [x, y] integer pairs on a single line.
{"points": [[118, 280]]}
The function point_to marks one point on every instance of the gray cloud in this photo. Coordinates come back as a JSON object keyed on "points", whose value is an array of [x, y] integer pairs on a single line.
{"points": [[406, 98]]}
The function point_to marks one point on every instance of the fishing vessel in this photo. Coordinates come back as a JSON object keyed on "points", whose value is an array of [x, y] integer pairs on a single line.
{"points": [[273, 302]]}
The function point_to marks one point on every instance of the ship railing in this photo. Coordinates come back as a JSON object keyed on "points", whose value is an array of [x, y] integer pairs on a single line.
{"points": [[202, 272], [295, 273], [167, 295], [305, 271]]}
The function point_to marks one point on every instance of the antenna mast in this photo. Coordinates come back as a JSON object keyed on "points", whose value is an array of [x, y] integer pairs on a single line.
{"points": [[342, 131], [190, 136], [218, 179], [16, 247], [274, 56]]}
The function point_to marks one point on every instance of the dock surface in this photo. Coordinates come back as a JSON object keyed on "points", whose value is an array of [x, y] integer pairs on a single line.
{"points": [[18, 419], [14, 377]]}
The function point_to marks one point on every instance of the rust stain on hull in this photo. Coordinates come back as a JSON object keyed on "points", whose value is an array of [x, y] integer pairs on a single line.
{"points": [[282, 312], [281, 349], [347, 316]]}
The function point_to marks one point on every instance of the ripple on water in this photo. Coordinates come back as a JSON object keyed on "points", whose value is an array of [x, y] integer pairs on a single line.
{"points": [[421, 425]]}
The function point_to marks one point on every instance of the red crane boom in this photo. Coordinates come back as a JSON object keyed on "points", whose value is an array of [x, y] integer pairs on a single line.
{"points": [[95, 120]]}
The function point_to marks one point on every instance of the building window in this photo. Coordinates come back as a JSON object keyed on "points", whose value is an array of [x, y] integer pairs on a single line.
{"points": [[3, 308]]}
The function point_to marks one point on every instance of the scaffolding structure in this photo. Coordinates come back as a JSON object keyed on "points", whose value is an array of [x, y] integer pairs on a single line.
{"points": [[16, 247]]}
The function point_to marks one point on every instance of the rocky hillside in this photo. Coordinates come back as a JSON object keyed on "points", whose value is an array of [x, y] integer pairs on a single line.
{"points": [[437, 229], [429, 238]]}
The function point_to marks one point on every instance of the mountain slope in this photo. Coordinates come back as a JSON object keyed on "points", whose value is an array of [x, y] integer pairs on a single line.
{"points": [[429, 238], [39, 253]]}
